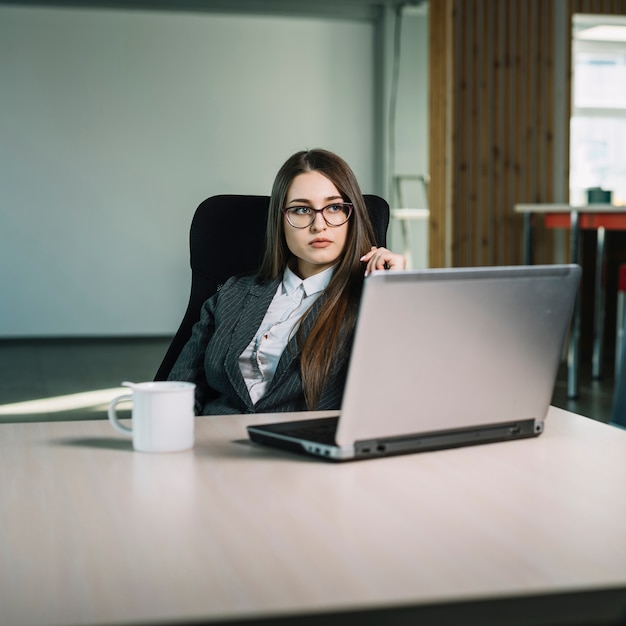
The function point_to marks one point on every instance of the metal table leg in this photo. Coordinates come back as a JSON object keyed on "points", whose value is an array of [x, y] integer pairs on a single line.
{"points": [[528, 239], [599, 307], [574, 336], [619, 394]]}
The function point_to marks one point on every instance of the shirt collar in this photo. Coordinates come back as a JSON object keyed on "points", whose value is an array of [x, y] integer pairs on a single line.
{"points": [[313, 284]]}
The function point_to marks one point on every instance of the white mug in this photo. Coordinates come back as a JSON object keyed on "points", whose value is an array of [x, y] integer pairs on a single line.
{"points": [[163, 418]]}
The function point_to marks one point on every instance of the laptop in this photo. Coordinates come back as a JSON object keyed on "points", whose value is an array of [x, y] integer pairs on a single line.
{"points": [[444, 358]]}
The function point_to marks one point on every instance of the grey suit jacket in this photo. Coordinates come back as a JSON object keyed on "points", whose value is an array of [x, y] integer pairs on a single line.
{"points": [[210, 359]]}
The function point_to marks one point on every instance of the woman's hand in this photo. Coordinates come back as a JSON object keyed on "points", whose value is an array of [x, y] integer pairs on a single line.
{"points": [[382, 259]]}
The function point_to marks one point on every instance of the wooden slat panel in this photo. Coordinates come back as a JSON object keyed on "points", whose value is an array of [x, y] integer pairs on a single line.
{"points": [[484, 238], [462, 158], [540, 120], [472, 181], [439, 148], [523, 89], [500, 228], [599, 7], [492, 123], [518, 84]]}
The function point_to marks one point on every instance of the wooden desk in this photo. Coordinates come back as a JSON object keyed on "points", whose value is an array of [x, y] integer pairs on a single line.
{"points": [[94, 533], [598, 217]]}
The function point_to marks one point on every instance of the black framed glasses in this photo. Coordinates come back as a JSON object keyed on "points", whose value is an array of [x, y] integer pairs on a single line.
{"points": [[335, 214]]}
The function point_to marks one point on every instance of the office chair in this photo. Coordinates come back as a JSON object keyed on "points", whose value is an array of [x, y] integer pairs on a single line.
{"points": [[226, 239]]}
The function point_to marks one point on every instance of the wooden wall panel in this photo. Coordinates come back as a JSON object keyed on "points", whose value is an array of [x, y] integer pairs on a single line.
{"points": [[441, 131], [492, 121]]}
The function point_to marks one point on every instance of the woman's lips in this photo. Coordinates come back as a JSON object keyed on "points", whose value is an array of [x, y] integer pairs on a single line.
{"points": [[320, 243]]}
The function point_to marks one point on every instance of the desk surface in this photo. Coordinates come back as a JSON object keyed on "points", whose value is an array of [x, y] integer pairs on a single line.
{"points": [[93, 532]]}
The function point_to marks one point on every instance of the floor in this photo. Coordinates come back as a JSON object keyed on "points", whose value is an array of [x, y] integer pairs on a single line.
{"points": [[71, 379], [75, 379], [595, 397]]}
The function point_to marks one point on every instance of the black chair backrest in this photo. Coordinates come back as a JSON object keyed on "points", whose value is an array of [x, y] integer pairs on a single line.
{"points": [[226, 238]]}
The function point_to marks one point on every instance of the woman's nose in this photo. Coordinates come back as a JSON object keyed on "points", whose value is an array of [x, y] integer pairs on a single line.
{"points": [[319, 223]]}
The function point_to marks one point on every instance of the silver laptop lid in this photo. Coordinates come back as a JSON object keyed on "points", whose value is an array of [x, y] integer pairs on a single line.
{"points": [[455, 348]]}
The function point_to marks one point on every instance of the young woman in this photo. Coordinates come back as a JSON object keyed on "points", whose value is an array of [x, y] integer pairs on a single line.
{"points": [[280, 340]]}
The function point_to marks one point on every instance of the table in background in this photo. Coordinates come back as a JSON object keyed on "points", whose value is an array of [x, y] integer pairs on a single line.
{"points": [[598, 217], [94, 533]]}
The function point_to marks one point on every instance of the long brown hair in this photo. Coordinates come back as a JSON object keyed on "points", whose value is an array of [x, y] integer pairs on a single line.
{"points": [[332, 328]]}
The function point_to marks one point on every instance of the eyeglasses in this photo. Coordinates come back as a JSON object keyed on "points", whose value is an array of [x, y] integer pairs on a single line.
{"points": [[333, 214]]}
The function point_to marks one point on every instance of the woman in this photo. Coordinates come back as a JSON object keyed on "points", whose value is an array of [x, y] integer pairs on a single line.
{"points": [[280, 340]]}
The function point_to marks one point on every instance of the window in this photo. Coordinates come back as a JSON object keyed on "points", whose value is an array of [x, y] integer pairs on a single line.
{"points": [[598, 124]]}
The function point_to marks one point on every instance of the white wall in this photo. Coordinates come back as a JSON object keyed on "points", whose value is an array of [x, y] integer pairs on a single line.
{"points": [[114, 125], [411, 136]]}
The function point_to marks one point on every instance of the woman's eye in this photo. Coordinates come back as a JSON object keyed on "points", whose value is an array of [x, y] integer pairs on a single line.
{"points": [[301, 210], [334, 208]]}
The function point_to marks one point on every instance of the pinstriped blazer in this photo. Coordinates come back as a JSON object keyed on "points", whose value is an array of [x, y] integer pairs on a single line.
{"points": [[210, 359]]}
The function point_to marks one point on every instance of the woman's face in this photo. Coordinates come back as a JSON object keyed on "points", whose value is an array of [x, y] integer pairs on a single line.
{"points": [[318, 246]]}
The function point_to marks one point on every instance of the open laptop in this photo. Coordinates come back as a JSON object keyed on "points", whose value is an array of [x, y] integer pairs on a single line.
{"points": [[444, 358]]}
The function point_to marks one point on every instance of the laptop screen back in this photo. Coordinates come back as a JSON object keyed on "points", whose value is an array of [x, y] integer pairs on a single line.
{"points": [[455, 348]]}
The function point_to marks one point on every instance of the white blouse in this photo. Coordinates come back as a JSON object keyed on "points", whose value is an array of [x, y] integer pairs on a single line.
{"points": [[294, 296]]}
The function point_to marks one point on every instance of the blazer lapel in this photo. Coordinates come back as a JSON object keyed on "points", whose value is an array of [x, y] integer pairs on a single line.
{"points": [[255, 307]]}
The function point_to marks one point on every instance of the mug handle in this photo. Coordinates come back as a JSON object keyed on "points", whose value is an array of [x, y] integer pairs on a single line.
{"points": [[113, 415]]}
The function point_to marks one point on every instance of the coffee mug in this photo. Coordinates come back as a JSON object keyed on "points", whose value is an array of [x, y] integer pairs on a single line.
{"points": [[163, 418]]}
